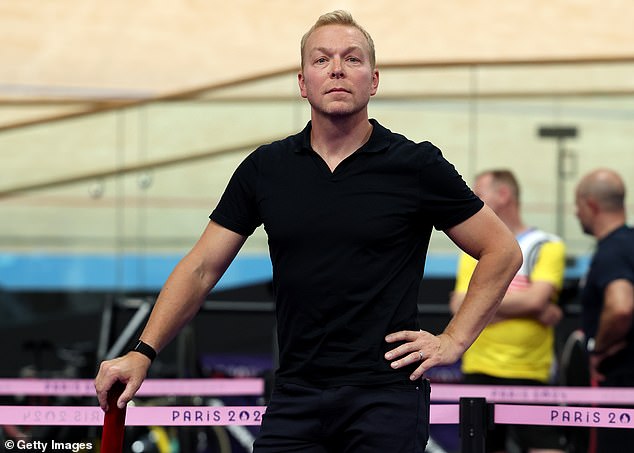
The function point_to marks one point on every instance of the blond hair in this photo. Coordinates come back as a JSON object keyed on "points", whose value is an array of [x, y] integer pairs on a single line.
{"points": [[339, 17], [503, 176]]}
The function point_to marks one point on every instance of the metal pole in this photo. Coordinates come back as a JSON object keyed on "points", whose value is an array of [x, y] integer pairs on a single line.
{"points": [[559, 133], [560, 187], [474, 423]]}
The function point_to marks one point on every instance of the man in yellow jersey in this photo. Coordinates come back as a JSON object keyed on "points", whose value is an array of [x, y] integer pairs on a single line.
{"points": [[517, 347]]}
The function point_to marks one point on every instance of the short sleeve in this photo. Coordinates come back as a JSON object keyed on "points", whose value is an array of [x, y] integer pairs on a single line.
{"points": [[551, 264], [237, 208], [614, 266], [446, 198]]}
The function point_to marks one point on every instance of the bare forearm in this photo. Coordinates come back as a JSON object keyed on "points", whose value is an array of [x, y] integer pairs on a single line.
{"points": [[183, 293], [491, 243], [486, 289], [612, 330], [517, 304], [527, 303], [616, 317], [179, 301]]}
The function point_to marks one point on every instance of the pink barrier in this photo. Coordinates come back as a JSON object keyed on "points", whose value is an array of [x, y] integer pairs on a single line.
{"points": [[136, 416], [150, 387], [564, 416], [164, 416], [533, 394], [254, 386], [252, 415]]}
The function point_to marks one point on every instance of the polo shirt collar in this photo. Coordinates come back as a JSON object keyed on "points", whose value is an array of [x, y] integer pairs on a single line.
{"points": [[379, 139]]}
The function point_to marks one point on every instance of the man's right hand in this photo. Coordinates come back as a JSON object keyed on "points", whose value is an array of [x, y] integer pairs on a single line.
{"points": [[551, 315], [129, 369]]}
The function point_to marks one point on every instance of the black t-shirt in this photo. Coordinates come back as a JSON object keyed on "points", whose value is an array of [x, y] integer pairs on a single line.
{"points": [[613, 260], [348, 247]]}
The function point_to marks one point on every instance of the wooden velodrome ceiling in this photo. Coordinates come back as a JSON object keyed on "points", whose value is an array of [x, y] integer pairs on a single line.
{"points": [[121, 49]]}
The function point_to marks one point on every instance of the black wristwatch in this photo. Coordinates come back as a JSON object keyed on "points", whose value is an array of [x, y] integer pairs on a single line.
{"points": [[145, 349]]}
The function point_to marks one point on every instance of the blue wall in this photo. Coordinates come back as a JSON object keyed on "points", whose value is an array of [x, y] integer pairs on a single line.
{"points": [[92, 272]]}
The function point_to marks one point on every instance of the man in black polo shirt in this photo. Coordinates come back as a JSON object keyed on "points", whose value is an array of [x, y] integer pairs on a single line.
{"points": [[608, 291], [348, 207]]}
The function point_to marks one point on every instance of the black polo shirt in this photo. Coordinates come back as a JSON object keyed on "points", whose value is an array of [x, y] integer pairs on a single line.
{"points": [[613, 260], [348, 247]]}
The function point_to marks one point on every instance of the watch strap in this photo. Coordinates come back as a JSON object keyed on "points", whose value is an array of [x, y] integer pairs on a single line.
{"points": [[145, 349]]}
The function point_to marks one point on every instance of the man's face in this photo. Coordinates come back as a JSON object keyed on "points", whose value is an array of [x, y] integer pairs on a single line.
{"points": [[486, 189], [337, 77], [583, 211]]}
